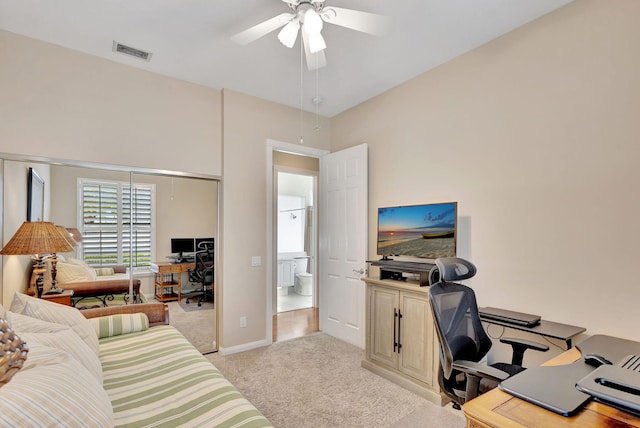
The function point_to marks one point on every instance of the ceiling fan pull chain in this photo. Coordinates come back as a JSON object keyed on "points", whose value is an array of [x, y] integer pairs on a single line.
{"points": [[301, 88]]}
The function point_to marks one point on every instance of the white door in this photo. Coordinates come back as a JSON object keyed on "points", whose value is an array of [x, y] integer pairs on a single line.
{"points": [[343, 243]]}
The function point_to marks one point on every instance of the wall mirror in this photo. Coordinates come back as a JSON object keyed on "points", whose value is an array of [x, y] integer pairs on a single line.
{"points": [[127, 219]]}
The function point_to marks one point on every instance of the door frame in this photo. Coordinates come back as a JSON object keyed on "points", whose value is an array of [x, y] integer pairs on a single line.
{"points": [[271, 258]]}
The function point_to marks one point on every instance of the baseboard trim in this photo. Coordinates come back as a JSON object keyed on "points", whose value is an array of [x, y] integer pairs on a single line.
{"points": [[244, 347]]}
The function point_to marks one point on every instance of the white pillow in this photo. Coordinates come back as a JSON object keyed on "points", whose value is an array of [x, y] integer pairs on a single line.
{"points": [[79, 262], [52, 389], [70, 272], [62, 337], [56, 313]]}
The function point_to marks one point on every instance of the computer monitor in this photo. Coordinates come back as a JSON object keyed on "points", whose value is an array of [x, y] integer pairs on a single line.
{"points": [[200, 240], [182, 245]]}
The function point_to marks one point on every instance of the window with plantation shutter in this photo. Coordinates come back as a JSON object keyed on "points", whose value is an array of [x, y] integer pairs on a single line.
{"points": [[107, 217]]}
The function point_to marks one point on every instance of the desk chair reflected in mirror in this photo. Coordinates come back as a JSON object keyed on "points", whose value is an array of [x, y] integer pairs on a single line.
{"points": [[463, 341], [202, 273]]}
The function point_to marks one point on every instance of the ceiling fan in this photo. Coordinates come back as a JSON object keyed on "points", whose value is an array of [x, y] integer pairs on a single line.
{"points": [[307, 17]]}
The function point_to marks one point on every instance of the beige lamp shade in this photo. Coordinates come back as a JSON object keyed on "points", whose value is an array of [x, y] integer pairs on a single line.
{"points": [[67, 236], [75, 234], [37, 237]]}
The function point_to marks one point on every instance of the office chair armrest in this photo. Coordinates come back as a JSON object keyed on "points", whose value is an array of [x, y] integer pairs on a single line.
{"points": [[475, 372], [520, 346], [480, 370]]}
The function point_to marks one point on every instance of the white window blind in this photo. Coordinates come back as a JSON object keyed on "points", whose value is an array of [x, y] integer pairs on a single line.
{"points": [[106, 219]]}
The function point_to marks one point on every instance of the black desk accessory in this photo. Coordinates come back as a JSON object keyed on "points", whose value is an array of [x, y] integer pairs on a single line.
{"points": [[612, 348], [596, 360], [551, 387], [393, 269], [511, 317], [616, 385], [554, 387]]}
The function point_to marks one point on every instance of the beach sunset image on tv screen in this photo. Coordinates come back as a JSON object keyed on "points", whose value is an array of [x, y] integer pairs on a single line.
{"points": [[427, 231]]}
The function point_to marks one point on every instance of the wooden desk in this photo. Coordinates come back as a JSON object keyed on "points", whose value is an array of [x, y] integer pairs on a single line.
{"points": [[166, 285], [501, 410]]}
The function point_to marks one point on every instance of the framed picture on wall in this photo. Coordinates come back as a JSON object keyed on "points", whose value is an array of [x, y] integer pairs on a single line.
{"points": [[35, 197]]}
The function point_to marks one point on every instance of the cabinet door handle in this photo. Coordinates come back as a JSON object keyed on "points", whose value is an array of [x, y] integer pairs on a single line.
{"points": [[399, 324], [395, 330]]}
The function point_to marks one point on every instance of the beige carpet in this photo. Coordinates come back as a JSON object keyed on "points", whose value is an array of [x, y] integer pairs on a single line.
{"points": [[317, 381], [198, 326]]}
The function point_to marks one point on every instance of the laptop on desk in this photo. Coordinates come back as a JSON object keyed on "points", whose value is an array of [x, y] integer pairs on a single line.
{"points": [[510, 317]]}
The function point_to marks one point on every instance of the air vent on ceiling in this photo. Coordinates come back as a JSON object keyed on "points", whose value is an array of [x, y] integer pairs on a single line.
{"points": [[128, 50]]}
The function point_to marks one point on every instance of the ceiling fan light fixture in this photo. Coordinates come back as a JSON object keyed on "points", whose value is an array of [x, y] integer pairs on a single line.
{"points": [[316, 43], [312, 22], [289, 33]]}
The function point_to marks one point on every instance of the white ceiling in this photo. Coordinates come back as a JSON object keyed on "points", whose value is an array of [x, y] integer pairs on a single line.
{"points": [[190, 40]]}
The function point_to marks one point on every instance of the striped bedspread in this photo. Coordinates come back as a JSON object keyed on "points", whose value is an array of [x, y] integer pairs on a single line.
{"points": [[156, 378]]}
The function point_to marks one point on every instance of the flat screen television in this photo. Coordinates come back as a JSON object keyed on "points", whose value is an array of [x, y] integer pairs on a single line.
{"points": [[182, 245], [426, 231]]}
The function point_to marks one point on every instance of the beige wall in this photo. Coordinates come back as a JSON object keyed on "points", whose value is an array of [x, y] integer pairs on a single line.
{"points": [[536, 135], [248, 123], [16, 270], [63, 104]]}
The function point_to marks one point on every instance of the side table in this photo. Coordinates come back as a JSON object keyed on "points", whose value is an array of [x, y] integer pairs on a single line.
{"points": [[63, 298]]}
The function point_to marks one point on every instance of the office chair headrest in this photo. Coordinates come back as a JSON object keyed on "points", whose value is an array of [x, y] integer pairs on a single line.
{"points": [[454, 269]]}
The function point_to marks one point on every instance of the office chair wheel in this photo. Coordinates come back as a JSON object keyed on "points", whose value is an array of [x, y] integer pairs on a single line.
{"points": [[456, 405]]}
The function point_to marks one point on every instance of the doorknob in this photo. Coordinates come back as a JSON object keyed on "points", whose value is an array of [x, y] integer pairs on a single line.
{"points": [[359, 271]]}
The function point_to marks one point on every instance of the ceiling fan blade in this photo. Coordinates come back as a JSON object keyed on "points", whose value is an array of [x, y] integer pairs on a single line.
{"points": [[262, 29], [365, 22], [314, 60]]}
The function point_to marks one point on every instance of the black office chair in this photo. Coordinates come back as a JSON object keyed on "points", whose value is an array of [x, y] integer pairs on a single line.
{"points": [[463, 341], [202, 273]]}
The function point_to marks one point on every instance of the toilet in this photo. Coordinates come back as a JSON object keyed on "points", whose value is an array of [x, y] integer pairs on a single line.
{"points": [[303, 284]]}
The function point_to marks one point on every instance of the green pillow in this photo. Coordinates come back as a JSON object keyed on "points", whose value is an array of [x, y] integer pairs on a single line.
{"points": [[106, 271], [114, 325]]}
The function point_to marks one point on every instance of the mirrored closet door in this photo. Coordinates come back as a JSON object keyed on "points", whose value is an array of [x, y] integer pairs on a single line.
{"points": [[128, 223]]}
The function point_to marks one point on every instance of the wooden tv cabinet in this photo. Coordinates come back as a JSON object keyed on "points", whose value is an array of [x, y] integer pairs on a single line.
{"points": [[401, 342]]}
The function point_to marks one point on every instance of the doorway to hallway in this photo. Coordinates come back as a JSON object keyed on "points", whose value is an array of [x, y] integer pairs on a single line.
{"points": [[296, 237], [301, 160]]}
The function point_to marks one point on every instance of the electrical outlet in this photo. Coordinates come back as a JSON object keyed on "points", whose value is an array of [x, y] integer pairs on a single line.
{"points": [[243, 322], [256, 261]]}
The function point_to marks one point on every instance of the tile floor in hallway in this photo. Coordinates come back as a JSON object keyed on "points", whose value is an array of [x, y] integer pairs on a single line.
{"points": [[293, 301]]}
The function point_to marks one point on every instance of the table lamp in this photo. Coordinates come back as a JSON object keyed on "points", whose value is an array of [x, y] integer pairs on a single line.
{"points": [[38, 238], [75, 234], [67, 236]]}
